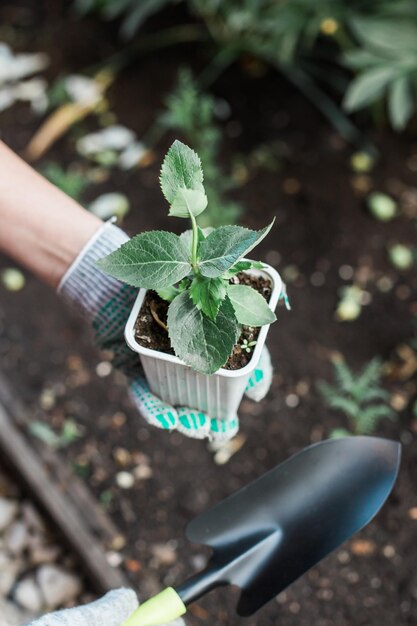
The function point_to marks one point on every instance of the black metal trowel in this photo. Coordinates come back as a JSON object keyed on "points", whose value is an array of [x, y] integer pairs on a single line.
{"points": [[274, 530]]}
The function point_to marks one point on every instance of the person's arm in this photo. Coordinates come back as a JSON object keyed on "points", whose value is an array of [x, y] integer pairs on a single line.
{"points": [[40, 227]]}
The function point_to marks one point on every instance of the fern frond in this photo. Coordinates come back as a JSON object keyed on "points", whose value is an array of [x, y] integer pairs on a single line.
{"points": [[326, 390], [344, 376], [375, 393], [369, 376], [338, 433], [345, 404], [358, 396], [368, 419]]}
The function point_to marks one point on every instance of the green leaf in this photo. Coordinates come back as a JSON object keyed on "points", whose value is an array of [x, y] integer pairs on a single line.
{"points": [[152, 260], [400, 102], [188, 201], [368, 87], [207, 294], [226, 245], [242, 266], [250, 307], [201, 343], [346, 405], [362, 59], [168, 293], [187, 236], [392, 36], [338, 433], [181, 173], [43, 432]]}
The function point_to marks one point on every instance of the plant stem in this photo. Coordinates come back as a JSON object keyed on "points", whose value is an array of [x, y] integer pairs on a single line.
{"points": [[194, 244]]}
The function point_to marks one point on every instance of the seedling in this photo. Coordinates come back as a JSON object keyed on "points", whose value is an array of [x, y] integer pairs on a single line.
{"points": [[247, 345], [70, 432], [192, 271], [360, 396], [71, 181]]}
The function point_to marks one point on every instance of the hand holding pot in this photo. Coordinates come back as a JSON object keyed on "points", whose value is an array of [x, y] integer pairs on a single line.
{"points": [[107, 303], [44, 230]]}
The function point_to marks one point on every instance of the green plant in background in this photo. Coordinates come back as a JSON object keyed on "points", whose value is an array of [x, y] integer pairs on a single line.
{"points": [[132, 12], [359, 396], [70, 181], [310, 43], [192, 271], [385, 62], [191, 113], [70, 432]]}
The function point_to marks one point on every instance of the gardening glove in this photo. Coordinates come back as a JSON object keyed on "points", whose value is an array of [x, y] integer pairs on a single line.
{"points": [[106, 302], [111, 610]]}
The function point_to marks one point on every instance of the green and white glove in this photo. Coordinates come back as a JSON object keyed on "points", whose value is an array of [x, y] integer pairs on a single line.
{"points": [[106, 302], [111, 610]]}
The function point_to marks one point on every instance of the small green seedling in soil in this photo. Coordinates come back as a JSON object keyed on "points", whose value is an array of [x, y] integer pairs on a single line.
{"points": [[359, 396], [247, 346], [192, 271], [71, 182], [70, 432]]}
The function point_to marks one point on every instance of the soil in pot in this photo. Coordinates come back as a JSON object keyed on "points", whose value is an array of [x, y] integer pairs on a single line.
{"points": [[150, 327]]}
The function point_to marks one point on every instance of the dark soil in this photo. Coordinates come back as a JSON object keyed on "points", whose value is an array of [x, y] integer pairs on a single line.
{"points": [[323, 235], [151, 323]]}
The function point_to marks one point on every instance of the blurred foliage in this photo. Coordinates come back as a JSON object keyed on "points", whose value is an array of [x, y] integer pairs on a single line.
{"points": [[132, 12], [72, 182], [70, 432], [359, 396], [192, 114], [385, 63], [362, 50]]}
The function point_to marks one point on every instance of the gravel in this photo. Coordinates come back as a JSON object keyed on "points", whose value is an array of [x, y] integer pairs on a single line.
{"points": [[37, 575]]}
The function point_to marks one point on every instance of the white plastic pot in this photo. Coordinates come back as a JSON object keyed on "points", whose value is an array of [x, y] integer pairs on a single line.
{"points": [[218, 394]]}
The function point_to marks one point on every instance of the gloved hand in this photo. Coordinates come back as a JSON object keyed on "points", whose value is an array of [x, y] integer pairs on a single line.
{"points": [[107, 303], [111, 610]]}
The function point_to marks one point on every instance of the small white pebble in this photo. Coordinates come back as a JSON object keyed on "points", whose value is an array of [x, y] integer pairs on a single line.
{"points": [[346, 272], [388, 551], [125, 480], [294, 608], [343, 557], [143, 472], [292, 400], [114, 559], [103, 369], [317, 279], [352, 577], [385, 284]]}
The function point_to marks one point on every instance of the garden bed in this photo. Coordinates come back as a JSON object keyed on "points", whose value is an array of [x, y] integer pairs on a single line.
{"points": [[324, 238], [37, 572]]}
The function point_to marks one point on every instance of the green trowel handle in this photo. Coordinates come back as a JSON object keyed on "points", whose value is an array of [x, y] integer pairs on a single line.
{"points": [[160, 609]]}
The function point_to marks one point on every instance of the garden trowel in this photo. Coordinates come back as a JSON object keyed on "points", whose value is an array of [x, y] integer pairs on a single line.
{"points": [[272, 531]]}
